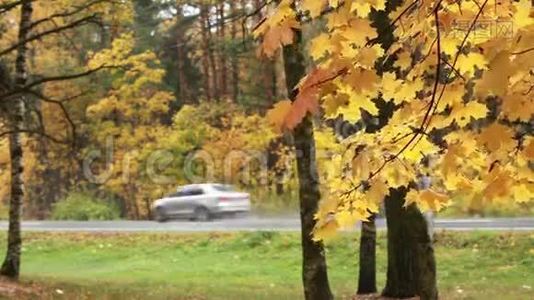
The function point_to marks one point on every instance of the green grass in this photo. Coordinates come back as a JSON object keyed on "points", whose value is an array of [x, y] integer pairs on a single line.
{"points": [[260, 265]]}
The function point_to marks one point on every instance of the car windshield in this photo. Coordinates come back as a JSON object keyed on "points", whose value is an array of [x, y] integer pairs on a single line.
{"points": [[223, 188]]}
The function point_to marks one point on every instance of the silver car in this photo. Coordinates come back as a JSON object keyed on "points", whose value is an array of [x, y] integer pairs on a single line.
{"points": [[201, 202]]}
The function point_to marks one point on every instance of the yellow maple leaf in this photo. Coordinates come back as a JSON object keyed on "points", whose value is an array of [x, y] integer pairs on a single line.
{"points": [[339, 17], [362, 80], [450, 44], [359, 31], [462, 114], [332, 102], [398, 174], [523, 14], [498, 184], [357, 102], [278, 114], [278, 35], [320, 46], [377, 192], [452, 96], [363, 7], [466, 63], [497, 137], [427, 199], [518, 107], [367, 56], [361, 167], [346, 219], [528, 150], [523, 192], [419, 150], [334, 3], [315, 7], [325, 231], [390, 86], [495, 80], [404, 60]]}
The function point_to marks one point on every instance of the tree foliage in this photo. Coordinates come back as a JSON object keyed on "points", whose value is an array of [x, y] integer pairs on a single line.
{"points": [[462, 105]]}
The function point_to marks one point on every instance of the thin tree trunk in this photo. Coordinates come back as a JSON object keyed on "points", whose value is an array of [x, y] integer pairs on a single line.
{"points": [[11, 265], [183, 88], [222, 51], [211, 57], [411, 263], [314, 268], [367, 276], [269, 80], [204, 19], [267, 68], [234, 58]]}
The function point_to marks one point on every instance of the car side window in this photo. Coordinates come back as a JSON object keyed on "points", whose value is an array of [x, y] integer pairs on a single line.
{"points": [[191, 191], [195, 192]]}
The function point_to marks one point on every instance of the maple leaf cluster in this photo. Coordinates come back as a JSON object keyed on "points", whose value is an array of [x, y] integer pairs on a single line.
{"points": [[462, 109]]}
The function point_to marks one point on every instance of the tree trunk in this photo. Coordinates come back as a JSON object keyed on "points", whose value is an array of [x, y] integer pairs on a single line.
{"points": [[234, 59], [204, 19], [367, 277], [222, 51], [11, 265], [211, 57], [411, 264], [183, 88], [314, 269]]}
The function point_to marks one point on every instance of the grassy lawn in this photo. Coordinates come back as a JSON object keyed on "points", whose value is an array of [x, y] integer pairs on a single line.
{"points": [[262, 265]]}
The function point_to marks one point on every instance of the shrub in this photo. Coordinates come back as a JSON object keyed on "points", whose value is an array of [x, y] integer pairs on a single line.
{"points": [[4, 211], [83, 207]]}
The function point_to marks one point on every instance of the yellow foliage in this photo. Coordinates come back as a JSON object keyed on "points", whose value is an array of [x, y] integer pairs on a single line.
{"points": [[458, 109]]}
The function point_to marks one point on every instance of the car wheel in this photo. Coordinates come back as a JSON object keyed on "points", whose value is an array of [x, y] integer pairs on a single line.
{"points": [[160, 215], [202, 214]]}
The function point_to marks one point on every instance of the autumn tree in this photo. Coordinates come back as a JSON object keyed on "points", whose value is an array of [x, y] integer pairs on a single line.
{"points": [[24, 95], [314, 267], [11, 264], [128, 115], [447, 100]]}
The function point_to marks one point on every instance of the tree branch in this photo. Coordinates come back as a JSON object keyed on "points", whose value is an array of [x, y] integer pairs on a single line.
{"points": [[79, 22], [30, 85], [29, 131], [5, 7], [63, 109], [77, 10]]}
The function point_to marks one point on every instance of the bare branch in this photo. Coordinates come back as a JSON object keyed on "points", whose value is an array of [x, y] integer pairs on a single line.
{"points": [[29, 131], [85, 20], [61, 105], [5, 7], [75, 11], [523, 51], [30, 85]]}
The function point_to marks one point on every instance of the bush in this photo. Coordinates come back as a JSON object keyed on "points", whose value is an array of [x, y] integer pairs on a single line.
{"points": [[83, 207], [4, 211]]}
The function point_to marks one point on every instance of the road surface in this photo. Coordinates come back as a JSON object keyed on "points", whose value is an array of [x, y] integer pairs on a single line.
{"points": [[254, 223]]}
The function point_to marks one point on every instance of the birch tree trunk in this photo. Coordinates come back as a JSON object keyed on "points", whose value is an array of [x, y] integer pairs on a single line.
{"points": [[11, 265]]}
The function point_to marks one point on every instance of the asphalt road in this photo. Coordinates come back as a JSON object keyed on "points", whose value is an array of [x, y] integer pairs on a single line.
{"points": [[254, 223]]}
